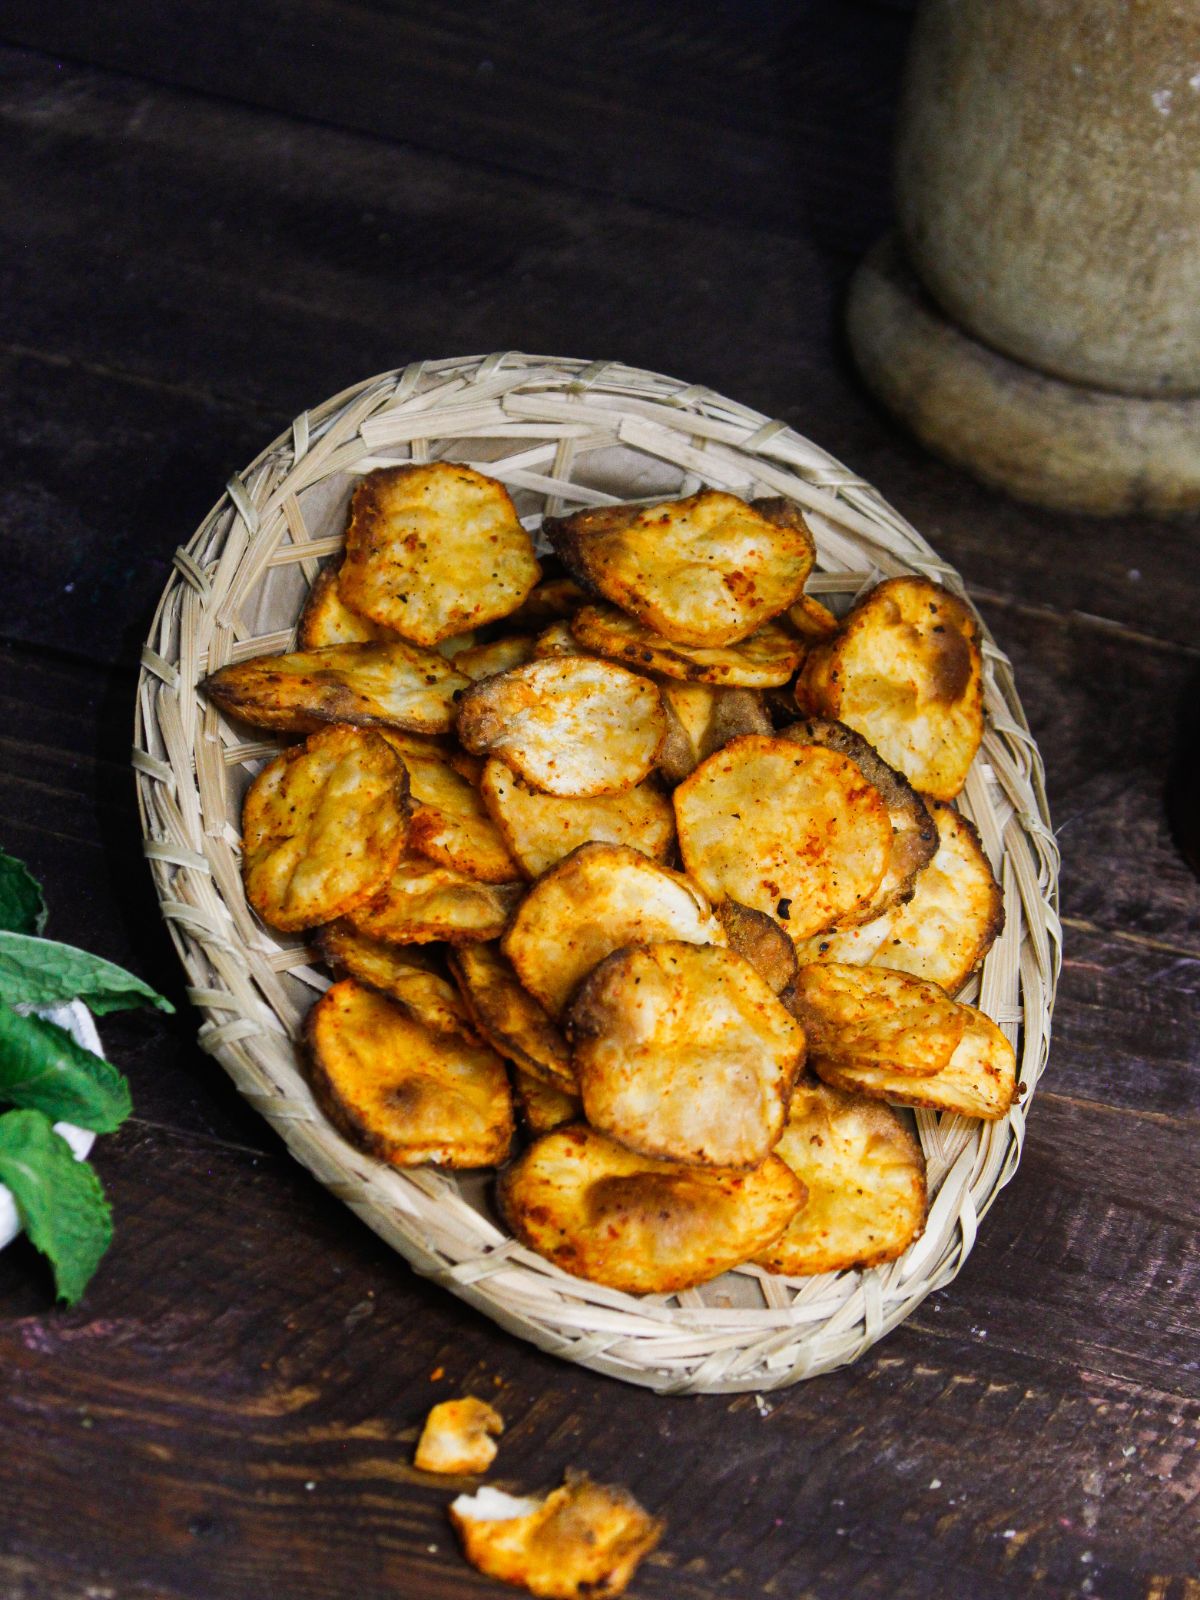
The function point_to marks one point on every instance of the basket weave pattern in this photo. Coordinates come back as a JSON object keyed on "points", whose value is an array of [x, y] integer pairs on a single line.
{"points": [[560, 435]]}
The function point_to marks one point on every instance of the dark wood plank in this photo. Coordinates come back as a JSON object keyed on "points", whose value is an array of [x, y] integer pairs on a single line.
{"points": [[139, 268]]}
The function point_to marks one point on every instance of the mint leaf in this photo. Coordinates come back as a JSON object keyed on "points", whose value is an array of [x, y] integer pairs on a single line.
{"points": [[59, 1200], [22, 908], [43, 1069], [42, 972]]}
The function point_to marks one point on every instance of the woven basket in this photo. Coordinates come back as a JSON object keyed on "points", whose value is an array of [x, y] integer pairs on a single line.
{"points": [[561, 435]]}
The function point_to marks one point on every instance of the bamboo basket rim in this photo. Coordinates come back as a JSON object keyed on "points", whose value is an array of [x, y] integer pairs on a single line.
{"points": [[560, 433]]}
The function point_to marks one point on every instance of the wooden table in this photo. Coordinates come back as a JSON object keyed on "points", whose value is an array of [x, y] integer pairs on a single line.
{"points": [[215, 216]]}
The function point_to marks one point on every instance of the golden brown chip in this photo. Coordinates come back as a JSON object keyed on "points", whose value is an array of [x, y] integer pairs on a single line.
{"points": [[392, 684], [543, 1106], [540, 829], [812, 620], [569, 727], [598, 899], [421, 902], [508, 1016], [914, 837], [905, 670], [551, 601], [582, 1542], [402, 1093], [708, 570], [433, 549], [872, 1017], [458, 1437], [954, 916], [602, 1212], [501, 655], [323, 825], [865, 1176], [683, 1052], [557, 640], [978, 1081], [327, 619], [791, 830], [761, 941], [407, 974], [453, 647], [450, 823], [702, 718], [767, 657]]}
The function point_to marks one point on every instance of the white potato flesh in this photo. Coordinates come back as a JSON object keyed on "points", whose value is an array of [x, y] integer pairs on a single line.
{"points": [[459, 1436]]}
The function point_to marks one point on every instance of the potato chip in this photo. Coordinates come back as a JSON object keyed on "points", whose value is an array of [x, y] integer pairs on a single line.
{"points": [[552, 600], [327, 619], [407, 974], [865, 1176], [954, 916], [598, 899], [433, 549], [905, 670], [557, 640], [402, 1093], [683, 1052], [568, 727], [543, 1106], [794, 831], [702, 718], [508, 1016], [914, 837], [454, 646], [707, 570], [767, 657], [421, 902], [459, 1437], [582, 1542], [323, 826], [812, 620], [501, 655], [602, 1212], [873, 1017], [540, 829], [393, 684], [978, 1081], [450, 823], [761, 941]]}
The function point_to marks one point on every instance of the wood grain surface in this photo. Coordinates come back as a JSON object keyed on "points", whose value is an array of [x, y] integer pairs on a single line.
{"points": [[214, 219]]}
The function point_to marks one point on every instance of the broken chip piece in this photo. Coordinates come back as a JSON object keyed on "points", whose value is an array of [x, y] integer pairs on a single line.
{"points": [[542, 1106], [459, 1436], [871, 1016], [327, 619], [979, 1080], [582, 1542], [450, 823], [702, 718], [761, 941]]}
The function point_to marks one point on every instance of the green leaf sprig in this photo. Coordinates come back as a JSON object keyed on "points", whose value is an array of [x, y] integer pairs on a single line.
{"points": [[50, 1078]]}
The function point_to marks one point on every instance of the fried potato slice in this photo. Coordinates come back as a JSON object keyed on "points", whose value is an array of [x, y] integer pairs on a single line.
{"points": [[683, 1052], [865, 1176], [582, 1542], [392, 684], [508, 1016], [811, 620], [905, 671], [873, 1017], [767, 657], [596, 900], [702, 718], [914, 837], [421, 902], [459, 1437], [501, 655], [542, 1106], [551, 601], [557, 640], [540, 829], [409, 975], [953, 918], [569, 727], [602, 1212], [450, 823], [327, 619], [978, 1081], [433, 549], [761, 941], [323, 825], [794, 831], [401, 1092], [706, 571]]}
